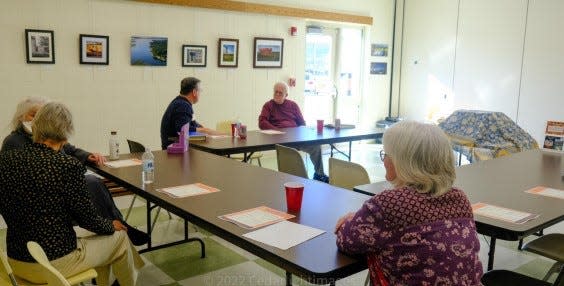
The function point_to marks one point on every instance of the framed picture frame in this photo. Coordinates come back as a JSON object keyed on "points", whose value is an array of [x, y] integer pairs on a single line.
{"points": [[94, 49], [149, 51], [194, 55], [40, 46], [268, 53], [228, 53]]}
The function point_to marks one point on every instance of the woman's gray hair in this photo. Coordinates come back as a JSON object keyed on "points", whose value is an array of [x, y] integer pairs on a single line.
{"points": [[422, 156], [54, 122], [24, 107], [285, 85]]}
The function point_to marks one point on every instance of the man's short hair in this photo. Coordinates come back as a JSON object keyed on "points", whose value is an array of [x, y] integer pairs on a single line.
{"points": [[188, 84], [53, 121]]}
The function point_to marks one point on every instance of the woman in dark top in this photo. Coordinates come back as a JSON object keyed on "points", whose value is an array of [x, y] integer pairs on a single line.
{"points": [[43, 206], [99, 194]]}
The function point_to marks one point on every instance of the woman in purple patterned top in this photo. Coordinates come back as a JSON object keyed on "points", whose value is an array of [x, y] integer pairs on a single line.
{"points": [[422, 232]]}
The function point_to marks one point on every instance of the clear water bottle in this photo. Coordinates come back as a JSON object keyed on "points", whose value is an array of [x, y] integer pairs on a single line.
{"points": [[148, 173], [114, 146]]}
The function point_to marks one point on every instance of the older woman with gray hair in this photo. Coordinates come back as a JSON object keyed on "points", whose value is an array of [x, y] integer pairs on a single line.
{"points": [[422, 231], [43, 206], [21, 135]]}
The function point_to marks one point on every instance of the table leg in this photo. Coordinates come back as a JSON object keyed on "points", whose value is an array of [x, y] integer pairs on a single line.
{"points": [[491, 253], [350, 150], [288, 278], [148, 204]]}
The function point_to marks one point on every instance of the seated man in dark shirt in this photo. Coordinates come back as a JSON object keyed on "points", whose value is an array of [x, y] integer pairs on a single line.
{"points": [[42, 207], [280, 112], [180, 111], [21, 135]]}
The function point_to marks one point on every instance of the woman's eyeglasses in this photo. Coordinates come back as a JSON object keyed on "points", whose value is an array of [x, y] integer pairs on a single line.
{"points": [[382, 155]]}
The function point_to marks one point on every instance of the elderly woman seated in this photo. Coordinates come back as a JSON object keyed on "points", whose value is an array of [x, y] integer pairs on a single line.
{"points": [[21, 135], [43, 206], [422, 232]]}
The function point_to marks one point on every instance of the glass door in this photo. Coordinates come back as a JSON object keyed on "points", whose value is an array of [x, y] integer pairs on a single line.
{"points": [[333, 74], [319, 88]]}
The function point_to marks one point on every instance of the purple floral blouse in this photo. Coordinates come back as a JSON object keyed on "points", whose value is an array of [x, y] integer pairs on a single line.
{"points": [[415, 239]]}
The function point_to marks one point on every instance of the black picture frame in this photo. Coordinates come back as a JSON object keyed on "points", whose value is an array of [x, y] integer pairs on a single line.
{"points": [[194, 55], [228, 53], [268, 52], [39, 46], [94, 49]]}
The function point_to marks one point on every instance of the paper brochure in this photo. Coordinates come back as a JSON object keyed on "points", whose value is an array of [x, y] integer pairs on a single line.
{"points": [[256, 217], [284, 234], [501, 213], [271, 132], [549, 192], [188, 190], [123, 163]]}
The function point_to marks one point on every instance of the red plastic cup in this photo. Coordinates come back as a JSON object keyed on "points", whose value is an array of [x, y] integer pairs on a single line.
{"points": [[320, 126], [294, 194], [233, 127]]}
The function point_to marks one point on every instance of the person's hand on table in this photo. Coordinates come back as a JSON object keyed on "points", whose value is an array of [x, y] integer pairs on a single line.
{"points": [[342, 220], [118, 225], [96, 158]]}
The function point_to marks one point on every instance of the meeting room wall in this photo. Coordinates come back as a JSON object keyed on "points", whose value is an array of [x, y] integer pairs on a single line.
{"points": [[131, 99], [497, 55]]}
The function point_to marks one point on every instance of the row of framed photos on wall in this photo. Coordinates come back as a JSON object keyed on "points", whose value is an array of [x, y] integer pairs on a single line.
{"points": [[153, 51]]}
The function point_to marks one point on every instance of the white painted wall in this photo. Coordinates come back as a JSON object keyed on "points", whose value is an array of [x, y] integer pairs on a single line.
{"points": [[542, 84], [131, 99], [507, 58], [428, 57]]}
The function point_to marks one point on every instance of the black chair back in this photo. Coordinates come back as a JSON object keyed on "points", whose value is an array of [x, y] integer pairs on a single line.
{"points": [[135, 147]]}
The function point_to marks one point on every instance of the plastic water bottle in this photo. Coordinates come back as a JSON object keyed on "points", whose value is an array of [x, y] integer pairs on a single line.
{"points": [[148, 173], [114, 146]]}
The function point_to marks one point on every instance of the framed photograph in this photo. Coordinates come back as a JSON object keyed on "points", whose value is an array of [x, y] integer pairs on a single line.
{"points": [[379, 50], [378, 68], [268, 53], [194, 56], [228, 53], [40, 46], [149, 51], [94, 49]]}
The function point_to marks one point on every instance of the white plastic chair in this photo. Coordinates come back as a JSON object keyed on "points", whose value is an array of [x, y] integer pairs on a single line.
{"points": [[54, 277], [346, 174], [290, 161]]}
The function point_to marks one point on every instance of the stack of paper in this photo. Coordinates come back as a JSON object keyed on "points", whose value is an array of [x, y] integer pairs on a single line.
{"points": [[555, 193], [501, 213], [188, 190], [284, 234], [256, 217], [271, 132], [123, 163]]}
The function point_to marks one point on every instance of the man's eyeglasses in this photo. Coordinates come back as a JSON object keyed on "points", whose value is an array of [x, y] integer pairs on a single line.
{"points": [[382, 155]]}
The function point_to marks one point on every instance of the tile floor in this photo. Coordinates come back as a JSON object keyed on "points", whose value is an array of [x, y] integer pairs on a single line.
{"points": [[226, 264]]}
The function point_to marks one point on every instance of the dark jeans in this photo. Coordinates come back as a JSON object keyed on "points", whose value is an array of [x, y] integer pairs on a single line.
{"points": [[102, 198]]}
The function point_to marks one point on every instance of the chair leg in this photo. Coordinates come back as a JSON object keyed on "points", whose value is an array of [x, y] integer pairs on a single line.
{"points": [[260, 164], [367, 281], [130, 207], [554, 269]]}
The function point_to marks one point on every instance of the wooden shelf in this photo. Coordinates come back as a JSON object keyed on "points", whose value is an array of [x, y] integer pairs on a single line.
{"points": [[267, 9]]}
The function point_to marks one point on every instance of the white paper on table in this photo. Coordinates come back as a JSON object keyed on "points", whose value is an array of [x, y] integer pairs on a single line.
{"points": [[188, 190], [256, 217], [219, 136], [271, 132], [284, 234], [123, 163], [501, 213], [555, 193]]}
